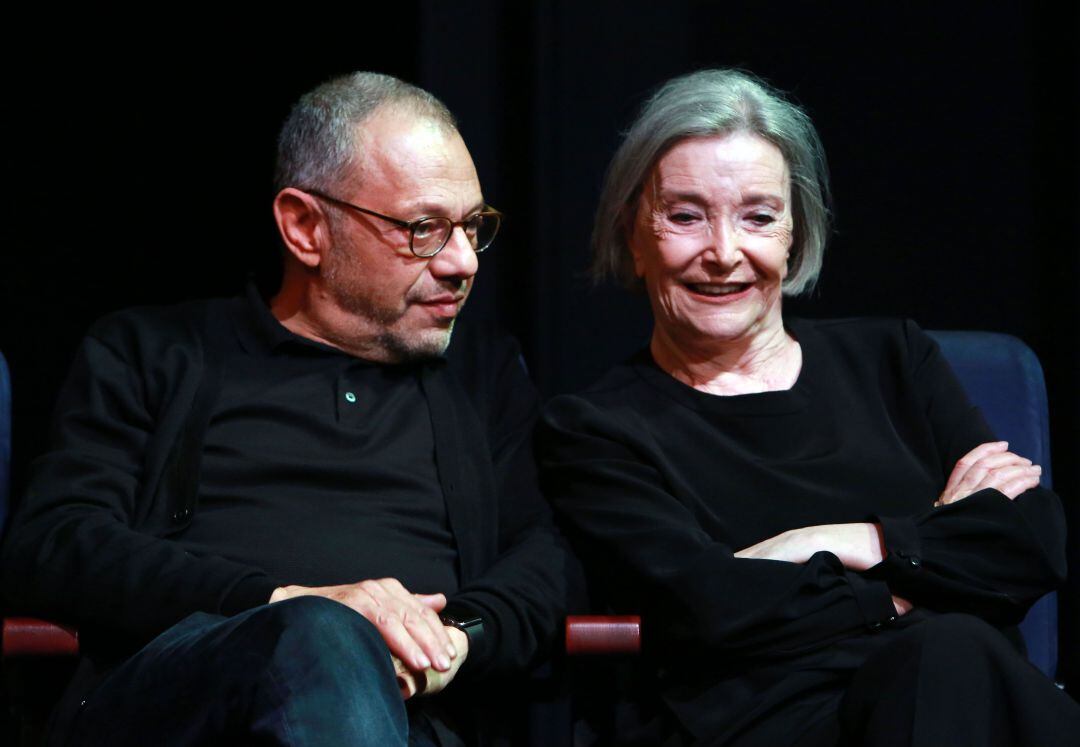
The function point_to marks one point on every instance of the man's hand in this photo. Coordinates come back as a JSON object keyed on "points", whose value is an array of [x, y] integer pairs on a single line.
{"points": [[431, 681], [409, 623], [990, 465], [859, 546]]}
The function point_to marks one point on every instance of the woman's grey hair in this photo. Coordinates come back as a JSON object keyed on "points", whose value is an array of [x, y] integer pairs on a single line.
{"points": [[702, 104], [317, 146]]}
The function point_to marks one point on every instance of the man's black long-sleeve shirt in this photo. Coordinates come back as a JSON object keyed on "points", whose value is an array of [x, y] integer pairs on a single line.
{"points": [[108, 534], [319, 468]]}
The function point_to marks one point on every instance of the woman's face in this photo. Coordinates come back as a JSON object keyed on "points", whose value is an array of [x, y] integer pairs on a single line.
{"points": [[710, 238]]}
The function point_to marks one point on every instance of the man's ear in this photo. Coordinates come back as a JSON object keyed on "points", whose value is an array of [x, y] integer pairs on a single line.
{"points": [[302, 224]]}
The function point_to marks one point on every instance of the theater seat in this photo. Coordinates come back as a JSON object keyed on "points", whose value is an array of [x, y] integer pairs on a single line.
{"points": [[24, 636]]}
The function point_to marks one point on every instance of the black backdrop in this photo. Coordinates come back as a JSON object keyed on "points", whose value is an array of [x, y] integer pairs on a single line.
{"points": [[140, 153]]}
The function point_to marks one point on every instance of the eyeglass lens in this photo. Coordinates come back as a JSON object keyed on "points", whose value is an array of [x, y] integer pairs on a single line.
{"points": [[431, 234]]}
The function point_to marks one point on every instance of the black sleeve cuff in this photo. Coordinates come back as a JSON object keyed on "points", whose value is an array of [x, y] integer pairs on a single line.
{"points": [[249, 592], [874, 600], [481, 639], [903, 548]]}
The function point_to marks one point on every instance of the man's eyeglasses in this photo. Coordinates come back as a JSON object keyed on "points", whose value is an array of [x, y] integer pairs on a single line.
{"points": [[428, 236]]}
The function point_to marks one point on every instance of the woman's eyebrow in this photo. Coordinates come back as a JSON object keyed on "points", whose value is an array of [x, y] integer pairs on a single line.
{"points": [[757, 198], [672, 195]]}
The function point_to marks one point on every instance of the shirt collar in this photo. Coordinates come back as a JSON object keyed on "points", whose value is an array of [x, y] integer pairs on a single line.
{"points": [[259, 331]]}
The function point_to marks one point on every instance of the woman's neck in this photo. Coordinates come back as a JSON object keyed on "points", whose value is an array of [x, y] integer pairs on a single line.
{"points": [[765, 362]]}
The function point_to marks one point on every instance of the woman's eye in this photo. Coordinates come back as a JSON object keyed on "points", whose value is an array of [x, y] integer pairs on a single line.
{"points": [[682, 218], [761, 219]]}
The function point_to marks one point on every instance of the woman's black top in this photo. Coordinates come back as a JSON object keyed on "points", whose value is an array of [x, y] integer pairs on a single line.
{"points": [[660, 484]]}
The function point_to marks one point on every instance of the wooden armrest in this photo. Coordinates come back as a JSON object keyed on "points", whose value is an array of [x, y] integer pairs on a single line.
{"points": [[603, 634], [28, 636]]}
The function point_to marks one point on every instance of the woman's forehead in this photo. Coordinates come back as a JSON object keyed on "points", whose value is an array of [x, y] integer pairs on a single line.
{"points": [[742, 163]]}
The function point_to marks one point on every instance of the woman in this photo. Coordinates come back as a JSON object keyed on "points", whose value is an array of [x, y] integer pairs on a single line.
{"points": [[820, 532]]}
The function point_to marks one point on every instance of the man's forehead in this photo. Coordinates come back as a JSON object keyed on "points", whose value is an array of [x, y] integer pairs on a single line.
{"points": [[392, 136], [420, 159]]}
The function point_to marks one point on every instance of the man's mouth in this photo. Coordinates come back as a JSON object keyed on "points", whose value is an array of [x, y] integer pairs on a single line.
{"points": [[718, 290], [444, 299], [444, 305]]}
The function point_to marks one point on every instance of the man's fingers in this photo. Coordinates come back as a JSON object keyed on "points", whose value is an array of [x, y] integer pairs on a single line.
{"points": [[401, 641], [408, 623], [408, 682], [419, 623], [435, 602], [430, 636]]}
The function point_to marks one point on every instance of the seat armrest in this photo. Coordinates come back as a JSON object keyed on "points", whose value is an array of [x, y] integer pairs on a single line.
{"points": [[28, 636], [603, 634]]}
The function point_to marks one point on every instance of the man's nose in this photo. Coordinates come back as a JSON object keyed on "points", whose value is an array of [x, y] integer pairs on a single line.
{"points": [[457, 258]]}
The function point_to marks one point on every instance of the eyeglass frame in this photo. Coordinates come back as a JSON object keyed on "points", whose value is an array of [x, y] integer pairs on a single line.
{"points": [[412, 225]]}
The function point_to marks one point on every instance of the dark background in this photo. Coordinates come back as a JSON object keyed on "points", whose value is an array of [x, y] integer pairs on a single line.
{"points": [[139, 164]]}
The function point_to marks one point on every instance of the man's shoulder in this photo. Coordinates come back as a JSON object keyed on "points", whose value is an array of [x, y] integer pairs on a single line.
{"points": [[147, 330], [487, 366], [481, 352]]}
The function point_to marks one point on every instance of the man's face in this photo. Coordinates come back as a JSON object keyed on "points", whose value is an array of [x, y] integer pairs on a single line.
{"points": [[399, 306]]}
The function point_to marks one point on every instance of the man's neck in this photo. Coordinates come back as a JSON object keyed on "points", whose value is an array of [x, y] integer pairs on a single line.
{"points": [[294, 310]]}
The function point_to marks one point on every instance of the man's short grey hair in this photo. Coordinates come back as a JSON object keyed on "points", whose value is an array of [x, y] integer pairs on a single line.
{"points": [[317, 146], [703, 104]]}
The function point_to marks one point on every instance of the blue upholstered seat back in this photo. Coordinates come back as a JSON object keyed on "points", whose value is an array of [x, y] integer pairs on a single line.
{"points": [[1003, 378], [5, 441]]}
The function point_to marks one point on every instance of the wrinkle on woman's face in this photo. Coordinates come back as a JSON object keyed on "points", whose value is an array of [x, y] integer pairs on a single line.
{"points": [[711, 237]]}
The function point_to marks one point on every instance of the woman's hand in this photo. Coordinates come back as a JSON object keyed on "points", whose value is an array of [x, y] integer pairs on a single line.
{"points": [[902, 605], [990, 465], [859, 546]]}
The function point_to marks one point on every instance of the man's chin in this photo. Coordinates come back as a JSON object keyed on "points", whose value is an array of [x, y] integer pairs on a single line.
{"points": [[419, 345]]}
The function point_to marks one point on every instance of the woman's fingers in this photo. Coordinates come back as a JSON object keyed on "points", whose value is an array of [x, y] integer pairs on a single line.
{"points": [[1012, 481], [967, 461], [977, 475], [989, 465]]}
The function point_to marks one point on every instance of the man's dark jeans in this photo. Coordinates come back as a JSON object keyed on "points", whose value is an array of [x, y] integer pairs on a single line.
{"points": [[306, 671]]}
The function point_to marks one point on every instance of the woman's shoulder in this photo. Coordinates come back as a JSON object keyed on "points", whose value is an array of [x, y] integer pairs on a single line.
{"points": [[618, 395], [865, 334]]}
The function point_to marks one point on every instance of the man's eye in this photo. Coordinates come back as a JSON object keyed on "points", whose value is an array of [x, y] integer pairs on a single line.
{"points": [[424, 229], [472, 224]]}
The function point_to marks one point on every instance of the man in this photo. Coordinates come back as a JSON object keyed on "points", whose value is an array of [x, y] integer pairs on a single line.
{"points": [[305, 510]]}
